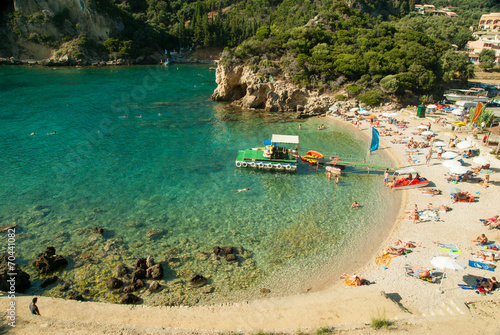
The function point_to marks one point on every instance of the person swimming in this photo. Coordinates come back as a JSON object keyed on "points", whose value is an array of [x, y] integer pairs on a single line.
{"points": [[242, 190]]}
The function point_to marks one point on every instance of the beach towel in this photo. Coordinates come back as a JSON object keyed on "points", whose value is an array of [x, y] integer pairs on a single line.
{"points": [[410, 271], [384, 260], [480, 265], [449, 246], [450, 250]]}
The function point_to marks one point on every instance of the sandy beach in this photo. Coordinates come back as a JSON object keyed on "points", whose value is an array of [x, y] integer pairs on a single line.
{"points": [[414, 306]]}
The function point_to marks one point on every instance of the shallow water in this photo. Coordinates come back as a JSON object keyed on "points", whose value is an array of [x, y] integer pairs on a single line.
{"points": [[167, 179]]}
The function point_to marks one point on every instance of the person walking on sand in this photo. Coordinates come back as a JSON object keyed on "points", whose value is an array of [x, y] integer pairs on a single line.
{"points": [[33, 307], [428, 157]]}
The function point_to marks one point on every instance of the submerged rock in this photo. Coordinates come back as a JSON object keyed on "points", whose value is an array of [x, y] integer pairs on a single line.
{"points": [[122, 270], [49, 281], [198, 281], [129, 298], [155, 272], [98, 230], [21, 279], [48, 261], [154, 286], [113, 283]]}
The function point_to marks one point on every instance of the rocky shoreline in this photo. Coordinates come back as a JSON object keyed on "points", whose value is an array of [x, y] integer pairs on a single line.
{"points": [[247, 89], [68, 61]]}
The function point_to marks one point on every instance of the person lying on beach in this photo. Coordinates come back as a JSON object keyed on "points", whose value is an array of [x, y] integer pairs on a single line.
{"points": [[432, 191], [481, 239], [419, 272], [481, 255], [355, 280], [440, 208], [405, 244], [489, 221]]}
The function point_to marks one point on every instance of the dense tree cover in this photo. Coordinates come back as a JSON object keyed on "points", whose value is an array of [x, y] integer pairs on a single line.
{"points": [[469, 11], [354, 47]]}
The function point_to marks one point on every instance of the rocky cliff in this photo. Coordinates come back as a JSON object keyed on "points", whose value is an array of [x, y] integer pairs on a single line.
{"points": [[248, 89], [49, 29]]}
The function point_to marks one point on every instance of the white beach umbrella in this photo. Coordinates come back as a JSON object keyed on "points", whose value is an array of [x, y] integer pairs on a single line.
{"points": [[427, 132], [449, 155], [386, 114], [481, 160], [393, 114], [333, 108], [458, 111], [363, 112], [440, 144], [464, 145], [450, 164], [447, 263], [355, 109], [459, 169], [423, 126], [431, 106]]}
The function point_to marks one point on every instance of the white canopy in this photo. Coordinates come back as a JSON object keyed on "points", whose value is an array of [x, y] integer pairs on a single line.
{"points": [[294, 139], [464, 145], [406, 170]]}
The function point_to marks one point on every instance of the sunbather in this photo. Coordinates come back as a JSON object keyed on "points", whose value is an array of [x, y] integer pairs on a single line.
{"points": [[355, 280], [490, 284], [418, 272], [481, 255], [481, 239], [405, 244]]}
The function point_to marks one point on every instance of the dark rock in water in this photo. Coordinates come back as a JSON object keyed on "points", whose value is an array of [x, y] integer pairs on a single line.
{"points": [[98, 230], [48, 281], [129, 289], [154, 233], [6, 227], [198, 280], [129, 298], [122, 270], [265, 291], [150, 261], [76, 296], [140, 263], [138, 274], [223, 251], [113, 283], [22, 279], [155, 272], [154, 286], [138, 284], [231, 257], [48, 261]]}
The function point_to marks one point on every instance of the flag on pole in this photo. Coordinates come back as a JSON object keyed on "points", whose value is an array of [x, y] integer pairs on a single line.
{"points": [[375, 140]]}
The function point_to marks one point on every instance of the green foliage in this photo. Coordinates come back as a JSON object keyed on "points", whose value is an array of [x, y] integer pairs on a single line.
{"points": [[390, 83], [353, 90], [380, 321], [487, 116], [323, 331], [456, 66], [371, 98], [340, 97], [487, 59]]}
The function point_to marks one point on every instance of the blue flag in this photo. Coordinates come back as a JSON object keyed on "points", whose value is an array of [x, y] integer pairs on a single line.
{"points": [[375, 140]]}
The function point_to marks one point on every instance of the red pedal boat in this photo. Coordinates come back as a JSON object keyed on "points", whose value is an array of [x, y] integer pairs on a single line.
{"points": [[406, 183]]}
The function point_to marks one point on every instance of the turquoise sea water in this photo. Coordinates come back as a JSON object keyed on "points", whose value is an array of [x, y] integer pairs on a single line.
{"points": [[164, 183]]}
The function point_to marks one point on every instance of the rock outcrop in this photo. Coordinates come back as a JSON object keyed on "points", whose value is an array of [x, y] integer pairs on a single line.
{"points": [[19, 282], [244, 88], [48, 261]]}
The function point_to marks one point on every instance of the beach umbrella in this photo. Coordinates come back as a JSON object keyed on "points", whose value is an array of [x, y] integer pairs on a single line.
{"points": [[458, 111], [450, 134], [449, 155], [427, 132], [431, 106], [481, 160], [447, 263], [333, 108], [460, 123], [464, 145], [372, 116], [393, 114], [363, 112], [386, 114], [486, 171], [458, 169], [453, 189], [440, 144], [355, 109], [450, 164], [423, 126]]}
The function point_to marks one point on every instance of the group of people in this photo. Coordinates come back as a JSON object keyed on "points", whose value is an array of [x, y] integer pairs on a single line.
{"points": [[492, 222]]}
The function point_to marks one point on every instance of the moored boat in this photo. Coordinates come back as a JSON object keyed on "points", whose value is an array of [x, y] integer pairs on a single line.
{"points": [[407, 183], [466, 95], [312, 157], [274, 154]]}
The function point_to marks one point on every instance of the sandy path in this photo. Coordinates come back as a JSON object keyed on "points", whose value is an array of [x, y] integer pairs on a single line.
{"points": [[419, 306]]}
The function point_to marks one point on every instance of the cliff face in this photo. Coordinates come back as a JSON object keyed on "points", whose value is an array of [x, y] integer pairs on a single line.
{"points": [[38, 22], [243, 87]]}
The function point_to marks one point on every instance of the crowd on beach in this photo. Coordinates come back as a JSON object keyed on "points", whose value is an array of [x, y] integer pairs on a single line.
{"points": [[431, 212]]}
